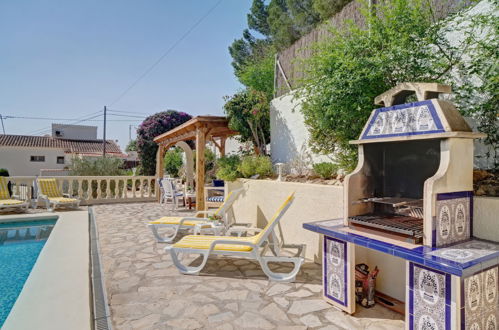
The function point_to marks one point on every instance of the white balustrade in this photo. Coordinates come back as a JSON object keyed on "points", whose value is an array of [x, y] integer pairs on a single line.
{"points": [[93, 189]]}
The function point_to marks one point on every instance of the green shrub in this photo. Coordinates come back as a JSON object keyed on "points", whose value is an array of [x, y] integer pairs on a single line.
{"points": [[253, 165], [209, 164], [325, 170], [227, 168], [350, 68], [109, 166], [4, 172], [173, 161]]}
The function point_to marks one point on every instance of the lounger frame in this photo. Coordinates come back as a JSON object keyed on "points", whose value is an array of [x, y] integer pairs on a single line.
{"points": [[268, 242], [165, 238]]}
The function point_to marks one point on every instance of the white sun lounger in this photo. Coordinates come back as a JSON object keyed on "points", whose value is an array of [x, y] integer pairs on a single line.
{"points": [[8, 202], [252, 247], [201, 217], [49, 192]]}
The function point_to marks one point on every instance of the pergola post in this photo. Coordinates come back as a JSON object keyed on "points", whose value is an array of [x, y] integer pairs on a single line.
{"points": [[200, 146], [222, 146]]}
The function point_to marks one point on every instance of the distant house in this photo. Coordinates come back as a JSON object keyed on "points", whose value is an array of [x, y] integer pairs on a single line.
{"points": [[24, 155]]}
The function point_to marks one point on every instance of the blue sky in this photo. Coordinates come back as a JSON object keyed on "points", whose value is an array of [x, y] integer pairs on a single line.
{"points": [[69, 58]]}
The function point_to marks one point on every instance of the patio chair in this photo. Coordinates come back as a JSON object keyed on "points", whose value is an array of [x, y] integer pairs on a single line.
{"points": [[252, 247], [169, 192], [8, 202], [49, 192], [215, 194], [181, 223]]}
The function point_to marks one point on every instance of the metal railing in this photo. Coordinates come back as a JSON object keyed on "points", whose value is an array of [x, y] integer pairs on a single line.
{"points": [[92, 189]]}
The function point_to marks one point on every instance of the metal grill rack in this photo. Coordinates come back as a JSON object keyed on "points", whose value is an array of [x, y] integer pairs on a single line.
{"points": [[410, 227]]}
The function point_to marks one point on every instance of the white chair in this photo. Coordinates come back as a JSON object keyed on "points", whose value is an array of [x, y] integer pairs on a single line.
{"points": [[170, 193]]}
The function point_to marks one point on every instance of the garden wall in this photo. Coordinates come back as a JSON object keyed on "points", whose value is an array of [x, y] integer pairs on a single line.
{"points": [[314, 202]]}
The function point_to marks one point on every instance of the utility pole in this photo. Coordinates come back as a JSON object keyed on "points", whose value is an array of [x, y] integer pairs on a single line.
{"points": [[130, 132], [3, 127], [104, 135]]}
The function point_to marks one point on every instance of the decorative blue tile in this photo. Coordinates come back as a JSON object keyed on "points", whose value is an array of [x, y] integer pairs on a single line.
{"points": [[335, 270], [452, 222], [459, 259], [430, 298], [480, 299], [402, 120]]}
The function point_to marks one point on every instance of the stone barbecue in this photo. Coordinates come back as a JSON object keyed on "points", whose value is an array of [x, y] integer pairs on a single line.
{"points": [[409, 210], [415, 165]]}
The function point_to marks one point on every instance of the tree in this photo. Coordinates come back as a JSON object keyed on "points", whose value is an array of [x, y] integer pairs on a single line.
{"points": [[173, 161], [355, 65], [247, 50], [132, 146], [258, 17], [258, 74], [327, 8], [248, 113], [477, 84], [151, 127]]}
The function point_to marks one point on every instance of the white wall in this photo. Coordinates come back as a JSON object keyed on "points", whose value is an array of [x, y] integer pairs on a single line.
{"points": [[17, 160], [75, 132], [486, 218], [313, 202], [288, 133]]}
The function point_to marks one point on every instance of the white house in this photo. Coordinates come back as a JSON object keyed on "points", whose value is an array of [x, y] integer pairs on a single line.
{"points": [[24, 155]]}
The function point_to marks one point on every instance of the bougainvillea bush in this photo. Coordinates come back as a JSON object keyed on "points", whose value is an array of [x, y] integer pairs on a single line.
{"points": [[151, 127]]}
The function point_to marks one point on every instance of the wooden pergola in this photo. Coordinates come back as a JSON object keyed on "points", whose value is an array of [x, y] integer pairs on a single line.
{"points": [[201, 129]]}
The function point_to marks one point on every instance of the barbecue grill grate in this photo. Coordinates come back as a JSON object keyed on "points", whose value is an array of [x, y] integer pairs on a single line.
{"points": [[398, 224]]}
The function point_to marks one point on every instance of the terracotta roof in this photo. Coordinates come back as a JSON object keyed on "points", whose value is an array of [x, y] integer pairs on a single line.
{"points": [[69, 146]]}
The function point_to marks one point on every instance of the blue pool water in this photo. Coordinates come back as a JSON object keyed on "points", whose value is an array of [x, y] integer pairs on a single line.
{"points": [[20, 245]]}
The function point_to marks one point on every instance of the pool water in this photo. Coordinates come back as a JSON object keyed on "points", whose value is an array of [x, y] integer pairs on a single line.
{"points": [[20, 245]]}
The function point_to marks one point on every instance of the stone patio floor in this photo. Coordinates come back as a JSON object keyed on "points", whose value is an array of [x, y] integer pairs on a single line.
{"points": [[145, 290]]}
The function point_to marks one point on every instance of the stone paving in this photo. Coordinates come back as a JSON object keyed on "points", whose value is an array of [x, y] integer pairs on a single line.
{"points": [[145, 290]]}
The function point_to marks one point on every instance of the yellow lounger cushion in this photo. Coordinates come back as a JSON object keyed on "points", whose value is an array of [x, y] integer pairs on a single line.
{"points": [[203, 242], [10, 202], [173, 221], [62, 200], [4, 190], [49, 187]]}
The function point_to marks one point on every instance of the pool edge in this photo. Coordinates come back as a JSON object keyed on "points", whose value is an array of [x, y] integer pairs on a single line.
{"points": [[56, 294]]}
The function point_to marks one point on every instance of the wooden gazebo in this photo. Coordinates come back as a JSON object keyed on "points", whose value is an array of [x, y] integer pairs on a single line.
{"points": [[201, 129]]}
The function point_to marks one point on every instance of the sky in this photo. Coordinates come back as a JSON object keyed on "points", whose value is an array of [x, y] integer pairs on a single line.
{"points": [[67, 59]]}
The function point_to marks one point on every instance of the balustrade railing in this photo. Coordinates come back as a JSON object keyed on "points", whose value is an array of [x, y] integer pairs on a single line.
{"points": [[92, 189]]}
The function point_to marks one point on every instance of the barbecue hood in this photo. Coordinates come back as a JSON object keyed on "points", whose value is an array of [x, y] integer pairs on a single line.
{"points": [[415, 168]]}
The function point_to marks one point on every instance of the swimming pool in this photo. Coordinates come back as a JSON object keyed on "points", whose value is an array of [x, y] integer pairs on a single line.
{"points": [[20, 245]]}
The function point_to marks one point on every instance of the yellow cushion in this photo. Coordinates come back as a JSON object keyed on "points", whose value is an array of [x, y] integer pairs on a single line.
{"points": [[203, 242], [49, 187], [10, 202], [63, 200], [172, 221], [4, 190]]}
